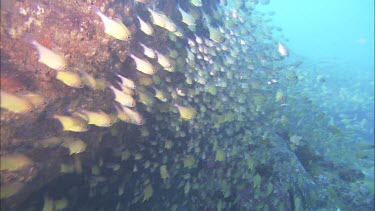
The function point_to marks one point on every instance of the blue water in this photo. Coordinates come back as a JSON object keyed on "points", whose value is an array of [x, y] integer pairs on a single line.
{"points": [[342, 32], [335, 41]]}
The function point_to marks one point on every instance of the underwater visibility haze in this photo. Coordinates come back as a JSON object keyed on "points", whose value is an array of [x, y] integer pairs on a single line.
{"points": [[187, 105]]}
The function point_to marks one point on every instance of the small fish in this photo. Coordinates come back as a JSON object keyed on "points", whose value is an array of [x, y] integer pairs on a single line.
{"points": [[190, 55], [122, 98], [121, 114], [197, 3], [114, 28], [88, 79], [121, 189], [173, 53], [145, 98], [35, 99], [14, 162], [143, 65], [180, 32], [295, 139], [191, 42], [69, 78], [206, 18], [160, 95], [282, 50], [135, 117], [186, 112], [160, 19], [10, 188], [163, 60], [145, 27], [169, 24], [15, 104], [215, 34], [127, 82], [156, 18], [198, 39], [126, 90], [145, 81], [98, 118], [148, 51], [186, 17], [51, 142], [279, 96], [52, 59], [70, 123], [74, 145], [164, 172]]}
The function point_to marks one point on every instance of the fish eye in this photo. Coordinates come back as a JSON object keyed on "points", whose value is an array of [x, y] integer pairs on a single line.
{"points": [[169, 65], [30, 110], [80, 85], [128, 37]]}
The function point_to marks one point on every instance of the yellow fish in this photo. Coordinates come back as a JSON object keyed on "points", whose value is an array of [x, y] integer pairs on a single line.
{"points": [[14, 162], [197, 3], [121, 114], [164, 172], [88, 79], [145, 27], [179, 32], [143, 65], [186, 17], [99, 118], [160, 19], [114, 28], [75, 124], [145, 81], [52, 59], [69, 78], [147, 193], [160, 95], [35, 99], [50, 142], [156, 18], [168, 24], [215, 34], [186, 112], [122, 98], [135, 117], [127, 82], [163, 60], [148, 51], [74, 145], [145, 98], [9, 189], [279, 96], [126, 90], [14, 103]]}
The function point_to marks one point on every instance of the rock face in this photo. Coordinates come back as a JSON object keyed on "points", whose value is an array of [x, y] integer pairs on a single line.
{"points": [[72, 30]]}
